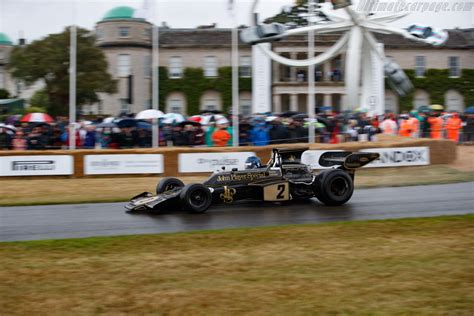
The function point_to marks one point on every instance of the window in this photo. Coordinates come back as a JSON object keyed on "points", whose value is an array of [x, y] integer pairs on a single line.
{"points": [[210, 66], [100, 34], [123, 65], [454, 66], [245, 66], [210, 105], [124, 106], [147, 67], [420, 66], [175, 106], [246, 107], [176, 67], [124, 31], [148, 33]]}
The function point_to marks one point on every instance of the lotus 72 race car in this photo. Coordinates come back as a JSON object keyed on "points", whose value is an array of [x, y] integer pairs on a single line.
{"points": [[283, 178]]}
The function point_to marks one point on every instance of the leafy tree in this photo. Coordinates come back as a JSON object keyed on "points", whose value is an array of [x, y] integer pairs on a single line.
{"points": [[4, 94], [40, 99], [35, 109], [48, 59]]}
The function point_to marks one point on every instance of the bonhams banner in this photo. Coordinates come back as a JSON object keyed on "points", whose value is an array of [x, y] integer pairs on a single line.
{"points": [[47, 165], [123, 164], [389, 157], [209, 162]]}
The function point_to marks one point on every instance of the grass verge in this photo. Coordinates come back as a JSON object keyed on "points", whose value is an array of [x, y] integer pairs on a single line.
{"points": [[409, 266], [95, 190]]}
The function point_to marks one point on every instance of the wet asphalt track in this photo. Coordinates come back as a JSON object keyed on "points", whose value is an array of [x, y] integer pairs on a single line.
{"points": [[85, 220]]}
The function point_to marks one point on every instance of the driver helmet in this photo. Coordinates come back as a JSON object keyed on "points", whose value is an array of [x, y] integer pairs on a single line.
{"points": [[253, 163]]}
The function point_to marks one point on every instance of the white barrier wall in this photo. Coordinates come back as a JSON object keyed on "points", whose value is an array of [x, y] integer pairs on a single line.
{"points": [[209, 162], [123, 164], [46, 165]]}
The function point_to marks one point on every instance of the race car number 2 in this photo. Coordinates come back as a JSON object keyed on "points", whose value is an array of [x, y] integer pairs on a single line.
{"points": [[276, 192]]}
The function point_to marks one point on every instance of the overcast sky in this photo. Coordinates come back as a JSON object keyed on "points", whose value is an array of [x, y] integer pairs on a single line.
{"points": [[38, 18]]}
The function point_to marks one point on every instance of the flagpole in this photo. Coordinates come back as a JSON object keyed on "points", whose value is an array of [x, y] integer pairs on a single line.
{"points": [[311, 79], [72, 81], [235, 78], [155, 84]]}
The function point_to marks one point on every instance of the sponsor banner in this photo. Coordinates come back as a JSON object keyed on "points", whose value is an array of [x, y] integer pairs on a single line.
{"points": [[400, 157], [123, 164], [47, 165], [209, 162], [389, 157], [311, 157]]}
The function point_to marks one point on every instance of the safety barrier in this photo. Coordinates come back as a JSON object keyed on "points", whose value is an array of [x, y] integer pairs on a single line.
{"points": [[179, 161]]}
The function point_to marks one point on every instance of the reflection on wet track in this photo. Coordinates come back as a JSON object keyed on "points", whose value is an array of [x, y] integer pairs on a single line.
{"points": [[110, 219]]}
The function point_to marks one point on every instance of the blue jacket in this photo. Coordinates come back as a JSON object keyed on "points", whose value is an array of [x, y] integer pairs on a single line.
{"points": [[259, 136]]}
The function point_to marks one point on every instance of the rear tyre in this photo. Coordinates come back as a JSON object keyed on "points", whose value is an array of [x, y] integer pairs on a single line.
{"points": [[195, 198], [167, 184], [333, 187]]}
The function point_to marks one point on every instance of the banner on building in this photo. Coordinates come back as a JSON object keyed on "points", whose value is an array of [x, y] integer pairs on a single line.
{"points": [[209, 162], [123, 164], [47, 165], [389, 157]]}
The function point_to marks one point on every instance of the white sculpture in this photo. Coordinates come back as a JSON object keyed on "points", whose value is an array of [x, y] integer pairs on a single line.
{"points": [[363, 54]]}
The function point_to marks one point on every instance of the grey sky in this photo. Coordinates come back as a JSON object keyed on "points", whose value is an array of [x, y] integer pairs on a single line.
{"points": [[38, 18]]}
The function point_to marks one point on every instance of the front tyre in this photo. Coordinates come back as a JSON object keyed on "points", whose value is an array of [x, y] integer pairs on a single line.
{"points": [[167, 184], [333, 187], [195, 198]]}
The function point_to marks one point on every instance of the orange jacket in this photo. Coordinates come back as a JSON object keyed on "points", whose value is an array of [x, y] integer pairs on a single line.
{"points": [[220, 137], [436, 126], [453, 123], [414, 126], [405, 128]]}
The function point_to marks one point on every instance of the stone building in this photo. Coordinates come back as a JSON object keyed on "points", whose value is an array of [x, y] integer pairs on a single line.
{"points": [[126, 42]]}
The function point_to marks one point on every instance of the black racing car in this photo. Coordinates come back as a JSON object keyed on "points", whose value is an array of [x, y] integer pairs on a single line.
{"points": [[284, 178]]}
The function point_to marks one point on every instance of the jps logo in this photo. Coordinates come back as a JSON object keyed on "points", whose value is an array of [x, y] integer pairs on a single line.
{"points": [[228, 195]]}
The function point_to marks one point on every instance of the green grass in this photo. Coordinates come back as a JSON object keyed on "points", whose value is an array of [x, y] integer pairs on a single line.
{"points": [[409, 266], [100, 190]]}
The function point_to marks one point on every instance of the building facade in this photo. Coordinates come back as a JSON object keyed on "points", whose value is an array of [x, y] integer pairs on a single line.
{"points": [[126, 40]]}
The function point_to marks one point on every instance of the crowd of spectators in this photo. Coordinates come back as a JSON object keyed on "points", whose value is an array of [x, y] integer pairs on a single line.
{"points": [[258, 130]]}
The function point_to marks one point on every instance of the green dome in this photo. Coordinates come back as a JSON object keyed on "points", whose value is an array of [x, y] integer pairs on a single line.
{"points": [[5, 40], [122, 12]]}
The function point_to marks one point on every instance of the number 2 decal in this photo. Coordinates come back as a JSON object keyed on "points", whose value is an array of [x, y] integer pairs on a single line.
{"points": [[281, 191]]}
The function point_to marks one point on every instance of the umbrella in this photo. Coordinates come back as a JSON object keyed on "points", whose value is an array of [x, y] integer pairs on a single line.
{"points": [[289, 114], [149, 114], [205, 119], [12, 119], [183, 123], [10, 129], [108, 120], [325, 108], [106, 125], [172, 118], [144, 125], [469, 110], [424, 109], [437, 107], [195, 118], [37, 117], [127, 123]]}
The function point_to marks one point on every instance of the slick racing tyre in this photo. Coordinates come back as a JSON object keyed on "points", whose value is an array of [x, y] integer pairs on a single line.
{"points": [[167, 184], [333, 187], [195, 198]]}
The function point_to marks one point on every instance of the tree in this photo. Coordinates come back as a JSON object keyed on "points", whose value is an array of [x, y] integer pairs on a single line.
{"points": [[48, 59], [4, 94]]}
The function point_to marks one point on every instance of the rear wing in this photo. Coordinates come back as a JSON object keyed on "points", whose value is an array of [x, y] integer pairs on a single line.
{"points": [[347, 159]]}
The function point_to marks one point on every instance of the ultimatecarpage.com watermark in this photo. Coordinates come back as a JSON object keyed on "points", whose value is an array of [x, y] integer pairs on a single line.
{"points": [[415, 6]]}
